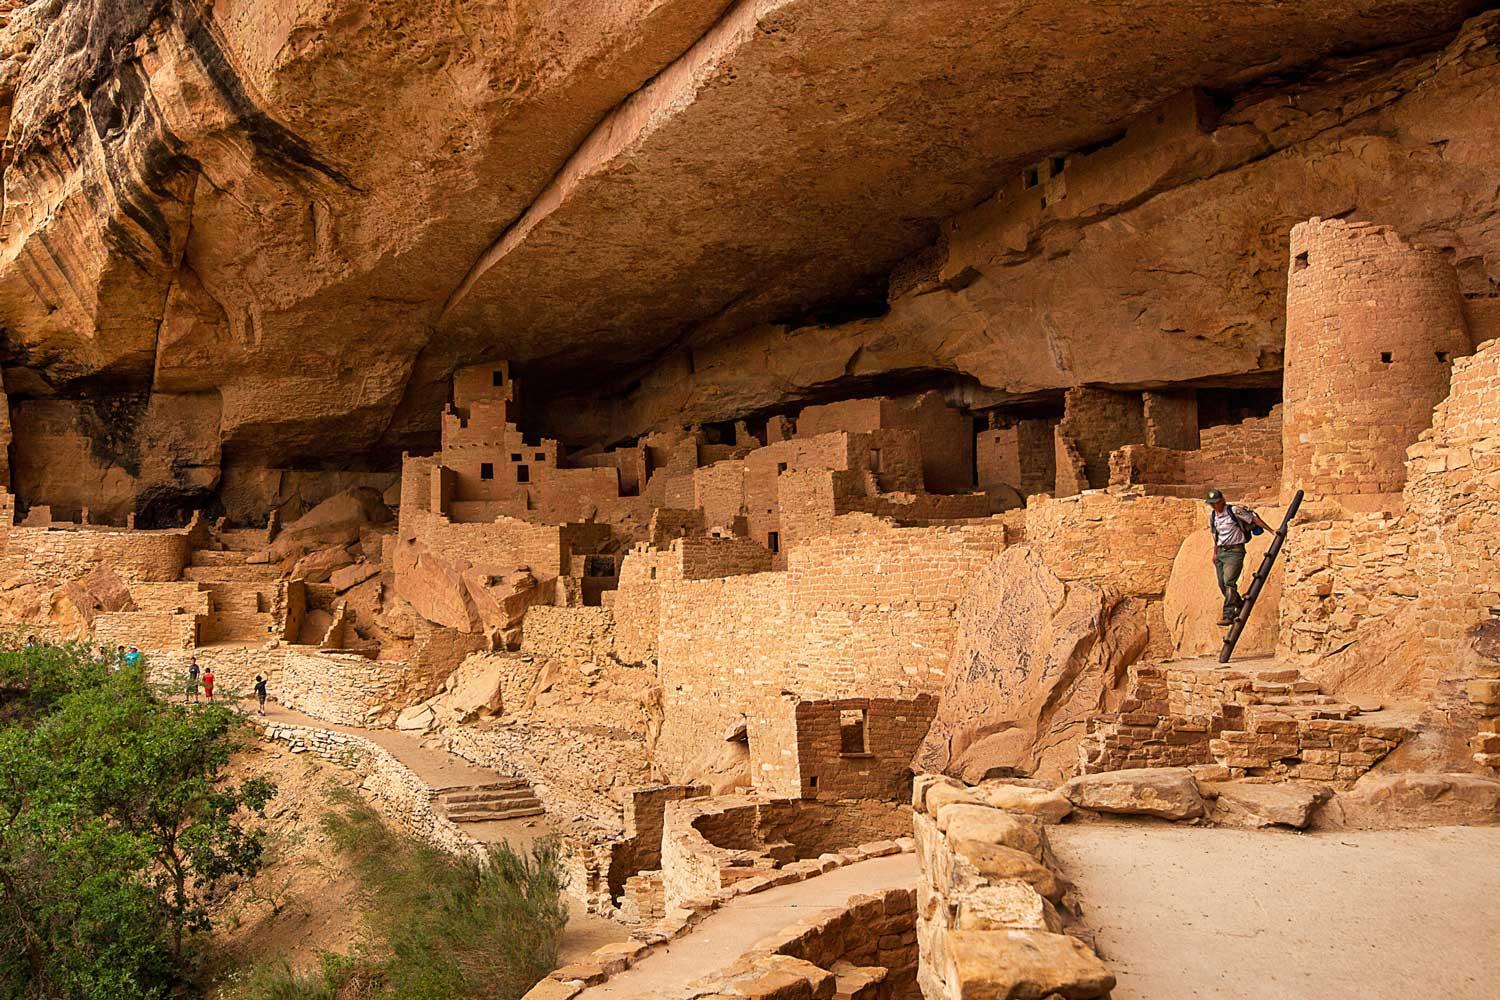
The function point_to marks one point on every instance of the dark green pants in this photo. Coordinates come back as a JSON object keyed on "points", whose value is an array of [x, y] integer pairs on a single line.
{"points": [[1228, 564]]}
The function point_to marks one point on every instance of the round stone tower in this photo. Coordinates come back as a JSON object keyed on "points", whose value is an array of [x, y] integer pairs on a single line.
{"points": [[1372, 327]]}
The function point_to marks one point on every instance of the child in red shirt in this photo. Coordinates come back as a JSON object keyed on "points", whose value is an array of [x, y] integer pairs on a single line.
{"points": [[208, 683]]}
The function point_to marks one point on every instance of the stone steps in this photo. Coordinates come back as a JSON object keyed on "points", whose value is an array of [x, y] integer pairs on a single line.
{"points": [[243, 539], [1255, 720], [510, 798], [247, 573], [215, 557], [489, 815]]}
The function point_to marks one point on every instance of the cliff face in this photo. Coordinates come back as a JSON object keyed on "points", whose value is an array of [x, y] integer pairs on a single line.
{"points": [[256, 234]]}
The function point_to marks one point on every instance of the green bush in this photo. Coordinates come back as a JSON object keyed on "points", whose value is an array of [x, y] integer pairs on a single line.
{"points": [[116, 827], [441, 927]]}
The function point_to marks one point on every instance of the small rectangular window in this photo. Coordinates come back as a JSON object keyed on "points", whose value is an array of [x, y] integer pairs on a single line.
{"points": [[497, 378], [1443, 356], [773, 541], [486, 470], [853, 738], [1385, 357], [514, 457], [780, 468], [540, 457], [1299, 261], [1031, 178], [1058, 164], [875, 460], [523, 474]]}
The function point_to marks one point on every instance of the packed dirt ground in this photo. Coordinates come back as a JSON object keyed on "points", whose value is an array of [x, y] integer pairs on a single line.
{"points": [[1185, 914], [306, 901]]}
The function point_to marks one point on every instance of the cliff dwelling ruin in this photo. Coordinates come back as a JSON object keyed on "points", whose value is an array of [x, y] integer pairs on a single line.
{"points": [[765, 445]]}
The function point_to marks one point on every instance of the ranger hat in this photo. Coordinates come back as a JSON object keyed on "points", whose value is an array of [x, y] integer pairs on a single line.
{"points": [[1214, 496]]}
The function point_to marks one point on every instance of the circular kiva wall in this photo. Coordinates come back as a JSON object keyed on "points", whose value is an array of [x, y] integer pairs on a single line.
{"points": [[1372, 327]]}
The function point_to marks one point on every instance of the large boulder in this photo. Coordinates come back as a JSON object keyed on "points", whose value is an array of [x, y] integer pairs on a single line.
{"points": [[1167, 792], [1033, 658], [449, 590], [1192, 602], [317, 567], [76, 604], [476, 689], [1025, 965], [1388, 801], [1240, 803], [336, 521]]}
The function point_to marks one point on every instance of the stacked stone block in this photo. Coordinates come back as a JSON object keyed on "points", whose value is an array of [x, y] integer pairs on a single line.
{"points": [[991, 913], [1254, 722]]}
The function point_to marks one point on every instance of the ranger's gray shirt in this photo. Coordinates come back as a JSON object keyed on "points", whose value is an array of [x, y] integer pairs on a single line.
{"points": [[1232, 527]]}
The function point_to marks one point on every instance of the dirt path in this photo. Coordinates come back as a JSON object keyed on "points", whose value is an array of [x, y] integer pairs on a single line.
{"points": [[1197, 913], [730, 931], [441, 769]]}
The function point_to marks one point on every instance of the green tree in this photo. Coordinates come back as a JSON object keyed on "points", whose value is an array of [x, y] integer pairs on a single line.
{"points": [[117, 827]]}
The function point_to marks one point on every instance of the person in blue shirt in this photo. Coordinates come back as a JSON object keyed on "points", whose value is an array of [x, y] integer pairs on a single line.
{"points": [[133, 657]]}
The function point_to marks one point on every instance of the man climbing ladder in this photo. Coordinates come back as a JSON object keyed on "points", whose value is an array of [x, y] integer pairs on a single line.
{"points": [[1231, 526]]}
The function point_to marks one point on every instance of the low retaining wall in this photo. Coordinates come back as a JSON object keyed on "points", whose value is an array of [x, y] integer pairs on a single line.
{"points": [[394, 786], [878, 928], [708, 844], [989, 907]]}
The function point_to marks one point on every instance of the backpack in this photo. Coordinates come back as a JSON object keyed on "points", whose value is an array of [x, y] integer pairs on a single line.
{"points": [[1251, 528]]}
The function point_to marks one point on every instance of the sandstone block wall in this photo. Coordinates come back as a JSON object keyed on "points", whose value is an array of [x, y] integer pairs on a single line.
{"points": [[63, 554], [1095, 422], [1453, 499], [1123, 541], [1242, 459], [1021, 456], [351, 689], [849, 748], [1171, 420], [575, 634], [1373, 327], [147, 630], [711, 843], [866, 611]]}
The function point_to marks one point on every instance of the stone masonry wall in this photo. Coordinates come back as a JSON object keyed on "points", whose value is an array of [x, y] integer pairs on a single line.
{"points": [[990, 910], [351, 689], [63, 554], [867, 610], [146, 630], [1453, 501], [395, 788], [1095, 422], [1373, 325], [850, 748]]}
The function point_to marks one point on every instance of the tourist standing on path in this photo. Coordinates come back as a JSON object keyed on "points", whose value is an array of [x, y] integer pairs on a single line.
{"points": [[133, 657], [208, 683], [193, 671], [1231, 525], [260, 692]]}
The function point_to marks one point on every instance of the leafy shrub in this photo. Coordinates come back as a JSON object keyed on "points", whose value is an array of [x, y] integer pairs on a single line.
{"points": [[441, 927]]}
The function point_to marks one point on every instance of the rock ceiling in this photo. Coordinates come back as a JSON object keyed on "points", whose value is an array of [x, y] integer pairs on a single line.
{"points": [[312, 212]]}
